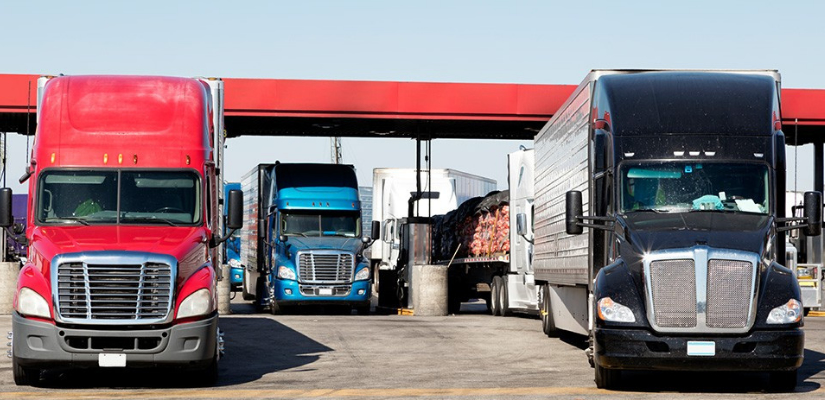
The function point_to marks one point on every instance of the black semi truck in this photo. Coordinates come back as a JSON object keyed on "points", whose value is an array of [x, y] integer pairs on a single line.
{"points": [[660, 224]]}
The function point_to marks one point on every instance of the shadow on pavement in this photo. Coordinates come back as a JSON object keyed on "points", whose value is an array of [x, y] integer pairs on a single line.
{"points": [[719, 382], [255, 346]]}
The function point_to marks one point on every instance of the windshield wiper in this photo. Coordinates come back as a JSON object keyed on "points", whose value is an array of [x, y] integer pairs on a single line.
{"points": [[653, 210], [148, 219], [68, 219]]}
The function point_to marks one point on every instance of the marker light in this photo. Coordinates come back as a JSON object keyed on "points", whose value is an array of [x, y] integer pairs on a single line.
{"points": [[120, 158], [134, 159], [105, 158], [52, 158]]}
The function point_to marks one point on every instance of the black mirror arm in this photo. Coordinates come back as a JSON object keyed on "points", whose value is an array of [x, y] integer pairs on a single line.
{"points": [[528, 240], [220, 239], [607, 225], [789, 227]]}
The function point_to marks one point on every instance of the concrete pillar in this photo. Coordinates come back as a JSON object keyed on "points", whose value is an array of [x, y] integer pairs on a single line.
{"points": [[429, 290], [224, 290], [8, 284]]}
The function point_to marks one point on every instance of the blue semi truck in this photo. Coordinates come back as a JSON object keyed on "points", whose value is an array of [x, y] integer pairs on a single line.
{"points": [[301, 241], [232, 247]]}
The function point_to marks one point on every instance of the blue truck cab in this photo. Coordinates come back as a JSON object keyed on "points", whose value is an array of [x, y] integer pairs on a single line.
{"points": [[232, 247], [310, 252]]}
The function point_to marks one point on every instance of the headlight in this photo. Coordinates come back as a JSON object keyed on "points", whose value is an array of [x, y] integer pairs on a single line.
{"points": [[32, 304], [286, 273], [198, 303], [235, 263], [363, 274], [787, 313], [609, 310], [806, 272]]}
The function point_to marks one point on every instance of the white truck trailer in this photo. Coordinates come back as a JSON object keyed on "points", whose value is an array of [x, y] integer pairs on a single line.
{"points": [[442, 191]]}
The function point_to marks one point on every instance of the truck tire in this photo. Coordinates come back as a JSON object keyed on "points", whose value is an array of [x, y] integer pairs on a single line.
{"points": [[783, 381], [504, 298], [246, 295], [607, 378], [548, 325], [274, 308], [24, 376], [495, 297]]}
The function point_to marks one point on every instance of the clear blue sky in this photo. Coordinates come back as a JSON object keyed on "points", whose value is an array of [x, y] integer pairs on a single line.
{"points": [[441, 41]]}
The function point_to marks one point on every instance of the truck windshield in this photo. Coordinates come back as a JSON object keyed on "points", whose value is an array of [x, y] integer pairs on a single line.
{"points": [[326, 223], [119, 197], [694, 186]]}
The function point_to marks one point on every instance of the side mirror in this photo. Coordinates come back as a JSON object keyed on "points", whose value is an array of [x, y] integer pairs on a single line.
{"points": [[813, 212], [366, 240], [6, 219], [234, 219], [375, 233], [283, 238], [521, 224], [573, 208]]}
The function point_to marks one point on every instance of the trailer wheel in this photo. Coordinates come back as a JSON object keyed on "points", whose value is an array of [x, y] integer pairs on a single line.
{"points": [[495, 297], [783, 381], [548, 325], [607, 378], [503, 298], [24, 376]]}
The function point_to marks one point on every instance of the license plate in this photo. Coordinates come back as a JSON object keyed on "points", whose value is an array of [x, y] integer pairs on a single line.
{"points": [[111, 360], [325, 292], [701, 349]]}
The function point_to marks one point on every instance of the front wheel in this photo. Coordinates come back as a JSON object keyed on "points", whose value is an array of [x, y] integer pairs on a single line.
{"points": [[607, 378], [783, 381], [24, 376], [274, 308]]}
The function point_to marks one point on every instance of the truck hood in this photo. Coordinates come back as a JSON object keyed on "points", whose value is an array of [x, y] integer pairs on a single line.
{"points": [[298, 243], [174, 241], [727, 230]]}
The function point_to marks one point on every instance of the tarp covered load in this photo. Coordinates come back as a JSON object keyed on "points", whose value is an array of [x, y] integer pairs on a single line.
{"points": [[481, 226]]}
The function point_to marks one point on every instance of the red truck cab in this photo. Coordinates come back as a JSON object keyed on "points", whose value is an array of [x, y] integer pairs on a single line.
{"points": [[123, 223]]}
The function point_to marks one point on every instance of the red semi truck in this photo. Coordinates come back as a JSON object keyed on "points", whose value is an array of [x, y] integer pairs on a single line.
{"points": [[123, 224]]}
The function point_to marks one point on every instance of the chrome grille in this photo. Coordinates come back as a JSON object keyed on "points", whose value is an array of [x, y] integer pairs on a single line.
{"points": [[105, 292], [673, 284], [729, 293], [333, 267]]}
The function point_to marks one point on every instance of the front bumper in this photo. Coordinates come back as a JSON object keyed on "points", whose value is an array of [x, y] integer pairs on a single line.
{"points": [[293, 293], [43, 345], [756, 351], [236, 278]]}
